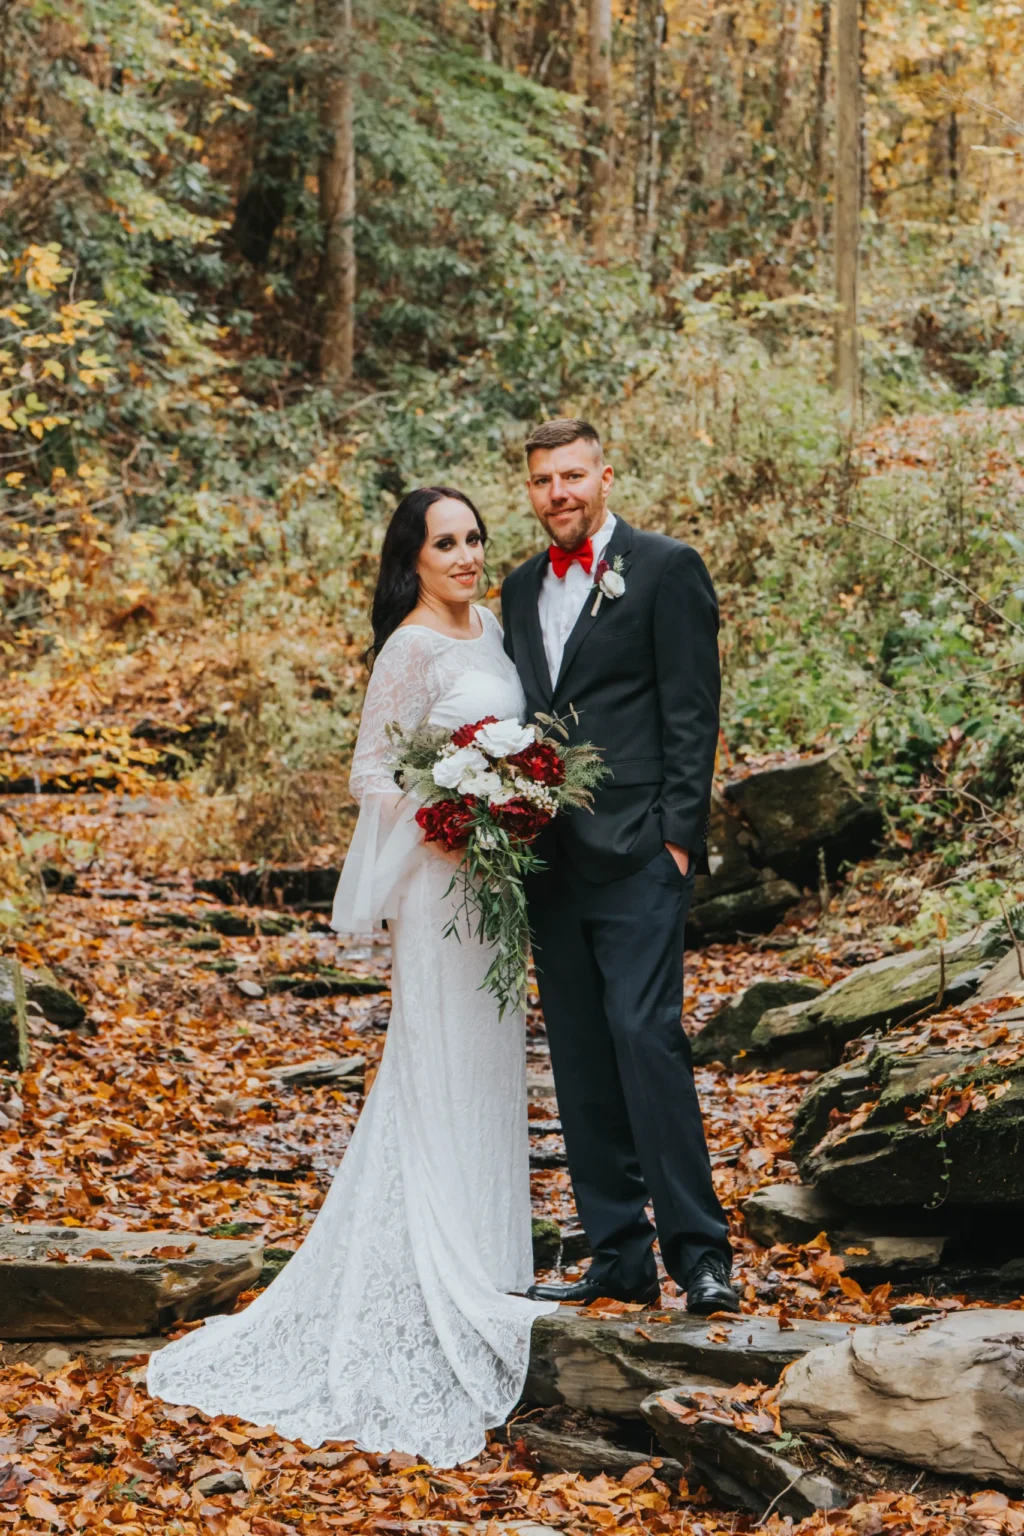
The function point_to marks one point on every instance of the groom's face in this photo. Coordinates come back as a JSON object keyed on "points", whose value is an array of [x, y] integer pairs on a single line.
{"points": [[569, 488]]}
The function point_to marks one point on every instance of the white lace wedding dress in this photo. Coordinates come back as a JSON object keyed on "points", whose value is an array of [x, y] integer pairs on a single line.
{"points": [[392, 1326]]}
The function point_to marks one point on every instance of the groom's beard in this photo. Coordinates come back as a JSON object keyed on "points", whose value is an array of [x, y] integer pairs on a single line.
{"points": [[570, 534]]}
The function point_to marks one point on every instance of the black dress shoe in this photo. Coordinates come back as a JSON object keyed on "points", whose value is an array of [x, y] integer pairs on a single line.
{"points": [[587, 1290], [709, 1287]]}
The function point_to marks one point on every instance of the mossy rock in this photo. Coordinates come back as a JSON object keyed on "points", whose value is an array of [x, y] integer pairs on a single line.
{"points": [[890, 1159], [327, 982], [756, 909], [801, 807], [231, 924], [56, 1004], [880, 996], [274, 1260], [547, 1243], [727, 1033], [731, 851], [14, 1046]]}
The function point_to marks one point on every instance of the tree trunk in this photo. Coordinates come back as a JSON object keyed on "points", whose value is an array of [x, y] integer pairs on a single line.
{"points": [[721, 104], [264, 201], [504, 32], [847, 199], [337, 178], [598, 166], [650, 39], [820, 110], [790, 22], [553, 44]]}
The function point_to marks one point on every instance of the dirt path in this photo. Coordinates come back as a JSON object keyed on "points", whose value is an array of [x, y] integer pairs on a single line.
{"points": [[168, 1115]]}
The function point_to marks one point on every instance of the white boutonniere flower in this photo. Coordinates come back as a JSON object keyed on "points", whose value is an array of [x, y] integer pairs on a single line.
{"points": [[608, 582]]}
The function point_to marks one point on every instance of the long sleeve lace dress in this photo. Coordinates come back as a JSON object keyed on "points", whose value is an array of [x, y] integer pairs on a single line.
{"points": [[393, 1325]]}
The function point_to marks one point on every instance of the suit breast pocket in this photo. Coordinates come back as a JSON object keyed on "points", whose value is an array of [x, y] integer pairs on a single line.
{"points": [[627, 638]]}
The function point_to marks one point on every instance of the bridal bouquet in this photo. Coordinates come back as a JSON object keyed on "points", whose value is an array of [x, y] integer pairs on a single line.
{"points": [[489, 789]]}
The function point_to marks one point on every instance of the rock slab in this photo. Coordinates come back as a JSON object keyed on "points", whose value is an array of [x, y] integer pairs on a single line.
{"points": [[948, 1396], [855, 1139], [609, 1365], [879, 997], [788, 1213], [135, 1284], [741, 1469], [794, 1214], [803, 806], [96, 1354], [14, 1050], [348, 1071], [727, 1033], [56, 1004], [587, 1452], [755, 909]]}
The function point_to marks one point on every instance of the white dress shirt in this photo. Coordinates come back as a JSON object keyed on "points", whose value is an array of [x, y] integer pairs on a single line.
{"points": [[561, 598]]}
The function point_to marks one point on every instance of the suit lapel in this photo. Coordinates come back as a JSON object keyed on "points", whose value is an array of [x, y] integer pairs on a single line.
{"points": [[619, 544], [534, 638]]}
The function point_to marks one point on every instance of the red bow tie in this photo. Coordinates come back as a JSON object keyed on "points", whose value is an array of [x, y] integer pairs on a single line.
{"points": [[561, 559]]}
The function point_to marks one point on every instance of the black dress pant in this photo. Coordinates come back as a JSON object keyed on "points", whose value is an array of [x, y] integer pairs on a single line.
{"points": [[609, 964]]}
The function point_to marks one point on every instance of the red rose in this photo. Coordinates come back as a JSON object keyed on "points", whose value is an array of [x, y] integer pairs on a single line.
{"points": [[447, 822], [540, 762], [465, 734], [521, 819]]}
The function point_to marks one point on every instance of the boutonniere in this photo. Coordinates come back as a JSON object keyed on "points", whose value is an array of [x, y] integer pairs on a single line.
{"points": [[608, 582]]}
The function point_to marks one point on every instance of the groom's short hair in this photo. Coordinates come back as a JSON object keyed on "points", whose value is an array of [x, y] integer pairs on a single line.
{"points": [[563, 430]]}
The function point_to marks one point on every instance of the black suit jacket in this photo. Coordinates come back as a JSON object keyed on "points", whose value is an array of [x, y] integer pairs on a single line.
{"points": [[643, 676]]}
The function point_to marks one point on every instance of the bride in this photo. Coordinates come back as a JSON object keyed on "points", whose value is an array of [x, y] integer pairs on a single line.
{"points": [[396, 1324]]}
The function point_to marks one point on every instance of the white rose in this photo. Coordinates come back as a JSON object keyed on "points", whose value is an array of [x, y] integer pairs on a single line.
{"points": [[505, 738], [505, 794], [486, 785], [612, 584], [449, 771]]}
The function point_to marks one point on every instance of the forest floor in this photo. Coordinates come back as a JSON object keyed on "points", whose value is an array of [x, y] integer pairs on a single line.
{"points": [[167, 1116]]}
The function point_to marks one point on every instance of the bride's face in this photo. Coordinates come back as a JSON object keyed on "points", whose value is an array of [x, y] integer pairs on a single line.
{"points": [[451, 561]]}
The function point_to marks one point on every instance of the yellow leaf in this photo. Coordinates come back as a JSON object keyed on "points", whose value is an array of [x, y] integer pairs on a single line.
{"points": [[42, 267]]}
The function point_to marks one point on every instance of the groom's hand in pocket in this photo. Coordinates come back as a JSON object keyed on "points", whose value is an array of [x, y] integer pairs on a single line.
{"points": [[681, 857]]}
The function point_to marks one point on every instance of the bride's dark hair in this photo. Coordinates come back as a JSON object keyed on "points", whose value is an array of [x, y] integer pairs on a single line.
{"points": [[398, 588]]}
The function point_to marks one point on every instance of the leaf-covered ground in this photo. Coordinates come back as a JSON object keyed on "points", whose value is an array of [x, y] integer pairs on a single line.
{"points": [[169, 1116]]}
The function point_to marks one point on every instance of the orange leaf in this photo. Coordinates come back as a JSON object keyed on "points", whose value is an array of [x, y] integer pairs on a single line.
{"points": [[637, 1475], [41, 1509], [849, 1287], [253, 1471]]}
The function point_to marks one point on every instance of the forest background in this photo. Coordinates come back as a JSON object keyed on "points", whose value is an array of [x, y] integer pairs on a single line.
{"points": [[265, 266]]}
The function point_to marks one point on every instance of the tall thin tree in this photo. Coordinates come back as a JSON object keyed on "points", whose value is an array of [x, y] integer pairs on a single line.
{"points": [[337, 190], [791, 18], [598, 164], [818, 121], [847, 201], [650, 39]]}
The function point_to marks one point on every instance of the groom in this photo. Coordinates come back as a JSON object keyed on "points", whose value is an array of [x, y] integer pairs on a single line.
{"points": [[621, 626]]}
